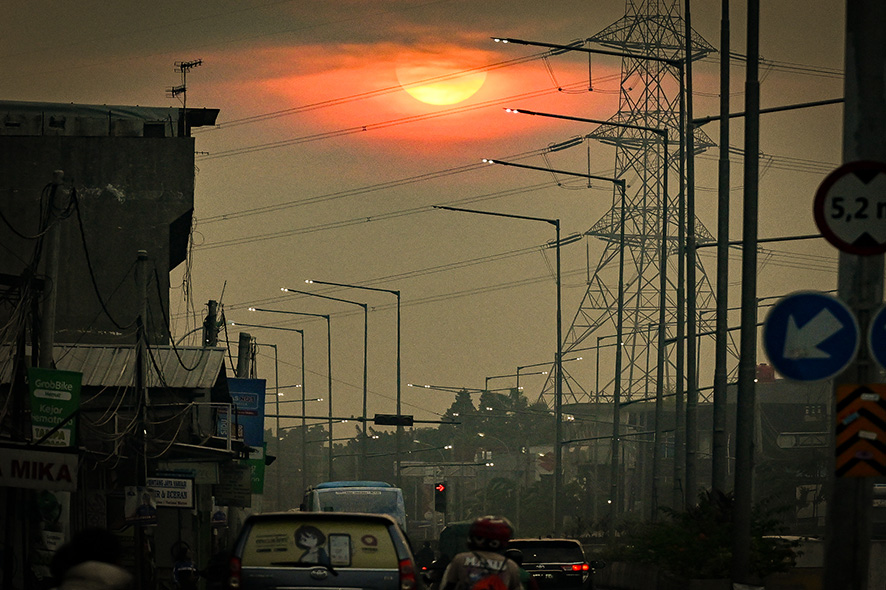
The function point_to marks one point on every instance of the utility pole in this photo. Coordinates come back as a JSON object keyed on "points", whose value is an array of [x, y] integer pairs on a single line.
{"points": [[141, 563], [244, 349], [691, 315], [746, 398], [50, 295], [719, 446], [860, 284], [210, 324]]}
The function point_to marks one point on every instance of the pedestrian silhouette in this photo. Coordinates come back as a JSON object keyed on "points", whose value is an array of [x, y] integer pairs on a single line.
{"points": [[91, 560]]}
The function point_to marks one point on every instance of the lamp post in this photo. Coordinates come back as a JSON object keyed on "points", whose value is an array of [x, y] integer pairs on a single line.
{"points": [[491, 377], [277, 395], [558, 360], [520, 475], [658, 447], [526, 375], [304, 460], [329, 470], [399, 437], [447, 388], [558, 412], [520, 368], [365, 353]]}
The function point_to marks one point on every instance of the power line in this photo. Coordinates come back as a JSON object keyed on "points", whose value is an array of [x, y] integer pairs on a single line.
{"points": [[774, 161], [368, 219], [382, 125], [370, 94]]}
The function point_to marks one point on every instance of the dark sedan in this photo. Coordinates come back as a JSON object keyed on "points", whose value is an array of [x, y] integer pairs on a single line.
{"points": [[557, 564]]}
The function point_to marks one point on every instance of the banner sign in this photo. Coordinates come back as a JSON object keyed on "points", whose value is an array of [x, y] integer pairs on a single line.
{"points": [[249, 404], [38, 470], [139, 505], [55, 396], [174, 492], [256, 462], [235, 487]]}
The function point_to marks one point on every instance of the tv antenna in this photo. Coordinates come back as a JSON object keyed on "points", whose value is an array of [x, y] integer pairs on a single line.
{"points": [[173, 91]]}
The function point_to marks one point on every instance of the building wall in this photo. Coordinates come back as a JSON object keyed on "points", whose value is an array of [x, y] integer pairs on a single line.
{"points": [[133, 193]]}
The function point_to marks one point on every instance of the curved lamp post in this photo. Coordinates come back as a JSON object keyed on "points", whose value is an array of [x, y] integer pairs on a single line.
{"points": [[658, 447], [326, 317], [365, 353], [619, 324], [520, 474], [277, 405], [399, 437], [521, 367], [558, 387]]}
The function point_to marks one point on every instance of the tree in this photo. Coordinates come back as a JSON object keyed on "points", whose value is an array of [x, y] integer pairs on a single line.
{"points": [[697, 543]]}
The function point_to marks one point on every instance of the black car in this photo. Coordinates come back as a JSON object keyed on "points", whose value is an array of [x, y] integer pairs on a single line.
{"points": [[557, 564]]}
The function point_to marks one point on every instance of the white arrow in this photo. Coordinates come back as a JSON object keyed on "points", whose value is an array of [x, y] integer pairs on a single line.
{"points": [[802, 343]]}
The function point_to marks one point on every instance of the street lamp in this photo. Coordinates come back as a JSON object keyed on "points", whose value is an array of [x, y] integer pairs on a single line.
{"points": [[399, 436], [503, 443], [365, 353], [558, 361], [520, 475], [447, 388], [277, 405], [558, 451], [520, 368], [520, 387], [491, 377], [428, 447], [326, 317], [662, 335]]}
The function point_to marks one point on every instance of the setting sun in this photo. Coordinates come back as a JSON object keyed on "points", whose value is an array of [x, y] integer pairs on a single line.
{"points": [[439, 91]]}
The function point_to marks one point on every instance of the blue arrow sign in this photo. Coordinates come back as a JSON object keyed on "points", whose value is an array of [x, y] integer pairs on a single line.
{"points": [[810, 336], [877, 337]]}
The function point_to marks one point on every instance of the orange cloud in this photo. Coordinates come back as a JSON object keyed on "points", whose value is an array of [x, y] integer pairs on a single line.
{"points": [[356, 88]]}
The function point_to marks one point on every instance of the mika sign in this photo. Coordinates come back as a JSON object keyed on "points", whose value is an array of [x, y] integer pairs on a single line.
{"points": [[41, 470]]}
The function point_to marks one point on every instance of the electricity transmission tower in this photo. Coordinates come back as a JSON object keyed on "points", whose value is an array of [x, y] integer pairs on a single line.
{"points": [[650, 97]]}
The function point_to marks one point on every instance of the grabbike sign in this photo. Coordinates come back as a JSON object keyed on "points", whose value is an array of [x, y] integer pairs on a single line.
{"points": [[55, 396], [850, 208]]}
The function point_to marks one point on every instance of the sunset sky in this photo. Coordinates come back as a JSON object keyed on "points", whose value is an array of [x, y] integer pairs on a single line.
{"points": [[323, 166]]}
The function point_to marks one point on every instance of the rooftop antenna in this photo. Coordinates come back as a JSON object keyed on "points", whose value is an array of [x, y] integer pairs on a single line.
{"points": [[184, 67]]}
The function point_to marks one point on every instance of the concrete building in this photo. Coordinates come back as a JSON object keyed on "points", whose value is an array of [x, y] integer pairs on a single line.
{"points": [[84, 272]]}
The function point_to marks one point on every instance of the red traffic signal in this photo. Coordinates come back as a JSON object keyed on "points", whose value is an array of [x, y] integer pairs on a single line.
{"points": [[440, 496]]}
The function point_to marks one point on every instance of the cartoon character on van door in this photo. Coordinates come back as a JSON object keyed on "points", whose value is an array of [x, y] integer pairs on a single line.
{"points": [[311, 539]]}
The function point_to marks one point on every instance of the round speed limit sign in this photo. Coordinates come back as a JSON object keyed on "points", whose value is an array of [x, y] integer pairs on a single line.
{"points": [[850, 208]]}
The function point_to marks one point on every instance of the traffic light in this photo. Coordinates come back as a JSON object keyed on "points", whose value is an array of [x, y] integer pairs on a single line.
{"points": [[440, 496]]}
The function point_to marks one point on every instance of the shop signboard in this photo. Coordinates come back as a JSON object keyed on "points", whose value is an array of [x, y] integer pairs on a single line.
{"points": [[55, 397]]}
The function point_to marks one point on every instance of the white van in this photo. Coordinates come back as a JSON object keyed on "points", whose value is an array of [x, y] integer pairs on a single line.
{"points": [[372, 497]]}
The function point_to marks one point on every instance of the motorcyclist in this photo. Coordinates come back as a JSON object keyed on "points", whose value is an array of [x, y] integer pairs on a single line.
{"points": [[488, 537]]}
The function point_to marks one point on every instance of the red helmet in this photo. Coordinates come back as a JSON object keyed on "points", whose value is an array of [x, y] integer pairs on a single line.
{"points": [[490, 532]]}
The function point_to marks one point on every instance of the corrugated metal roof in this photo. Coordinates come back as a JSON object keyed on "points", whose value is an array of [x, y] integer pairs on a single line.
{"points": [[114, 366]]}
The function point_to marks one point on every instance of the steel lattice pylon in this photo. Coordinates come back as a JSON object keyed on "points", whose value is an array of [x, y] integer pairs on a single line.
{"points": [[649, 97]]}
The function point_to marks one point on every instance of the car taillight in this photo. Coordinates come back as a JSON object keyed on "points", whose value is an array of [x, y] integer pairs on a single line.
{"points": [[577, 567], [234, 573], [407, 575]]}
